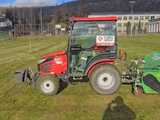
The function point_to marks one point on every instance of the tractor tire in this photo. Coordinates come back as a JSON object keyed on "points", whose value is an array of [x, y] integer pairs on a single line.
{"points": [[48, 85], [105, 79]]}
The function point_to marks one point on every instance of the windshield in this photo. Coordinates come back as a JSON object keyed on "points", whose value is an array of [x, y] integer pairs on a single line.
{"points": [[85, 33], [94, 28]]}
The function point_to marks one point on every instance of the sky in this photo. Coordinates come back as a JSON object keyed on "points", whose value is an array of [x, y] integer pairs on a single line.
{"points": [[31, 2]]}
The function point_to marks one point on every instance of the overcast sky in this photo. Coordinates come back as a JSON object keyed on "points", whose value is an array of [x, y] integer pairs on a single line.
{"points": [[31, 2]]}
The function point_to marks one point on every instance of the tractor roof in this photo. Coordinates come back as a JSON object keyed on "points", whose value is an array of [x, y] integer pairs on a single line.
{"points": [[79, 19]]}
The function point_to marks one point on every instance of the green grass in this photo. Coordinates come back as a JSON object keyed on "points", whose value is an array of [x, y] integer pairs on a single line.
{"points": [[4, 35], [79, 102]]}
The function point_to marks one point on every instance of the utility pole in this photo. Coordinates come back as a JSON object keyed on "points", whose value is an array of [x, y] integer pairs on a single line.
{"points": [[42, 4], [14, 17], [132, 3], [31, 19], [41, 19]]}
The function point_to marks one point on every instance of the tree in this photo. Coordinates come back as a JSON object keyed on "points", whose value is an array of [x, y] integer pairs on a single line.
{"points": [[134, 29], [139, 27], [128, 28]]}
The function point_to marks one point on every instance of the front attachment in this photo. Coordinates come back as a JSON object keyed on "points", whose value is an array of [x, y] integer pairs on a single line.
{"points": [[26, 76]]}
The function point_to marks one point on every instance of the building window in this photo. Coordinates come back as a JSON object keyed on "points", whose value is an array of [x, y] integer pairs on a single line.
{"points": [[136, 18], [130, 17], [152, 17], [125, 18], [119, 18], [146, 17], [141, 18]]}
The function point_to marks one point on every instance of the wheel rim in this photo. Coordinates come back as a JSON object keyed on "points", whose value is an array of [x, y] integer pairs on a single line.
{"points": [[105, 81], [47, 86]]}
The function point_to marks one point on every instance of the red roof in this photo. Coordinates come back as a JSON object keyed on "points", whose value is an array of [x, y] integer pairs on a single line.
{"points": [[110, 18]]}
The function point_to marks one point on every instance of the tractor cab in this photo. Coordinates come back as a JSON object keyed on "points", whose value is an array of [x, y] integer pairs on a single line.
{"points": [[91, 39]]}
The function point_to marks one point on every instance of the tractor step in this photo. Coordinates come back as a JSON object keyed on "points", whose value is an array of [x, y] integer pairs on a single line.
{"points": [[77, 76]]}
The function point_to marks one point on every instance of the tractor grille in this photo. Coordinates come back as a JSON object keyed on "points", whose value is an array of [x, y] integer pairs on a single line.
{"points": [[45, 68]]}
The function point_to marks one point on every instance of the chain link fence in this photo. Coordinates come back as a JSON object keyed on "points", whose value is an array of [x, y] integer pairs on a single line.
{"points": [[30, 29]]}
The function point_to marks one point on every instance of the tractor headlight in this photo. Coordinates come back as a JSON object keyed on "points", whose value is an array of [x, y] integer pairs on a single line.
{"points": [[58, 60], [41, 61]]}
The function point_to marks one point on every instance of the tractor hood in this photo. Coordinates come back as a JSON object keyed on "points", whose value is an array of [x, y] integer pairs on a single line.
{"points": [[53, 54], [53, 63]]}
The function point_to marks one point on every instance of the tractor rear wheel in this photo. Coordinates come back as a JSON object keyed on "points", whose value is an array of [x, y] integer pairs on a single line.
{"points": [[48, 85], [105, 79]]}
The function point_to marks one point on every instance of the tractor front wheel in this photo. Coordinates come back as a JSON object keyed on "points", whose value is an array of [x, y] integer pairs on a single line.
{"points": [[105, 79], [48, 85]]}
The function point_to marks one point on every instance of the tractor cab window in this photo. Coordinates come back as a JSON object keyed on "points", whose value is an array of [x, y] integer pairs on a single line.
{"points": [[84, 33], [93, 28]]}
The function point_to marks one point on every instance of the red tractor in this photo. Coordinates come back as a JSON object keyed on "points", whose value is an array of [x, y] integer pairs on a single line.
{"points": [[91, 53]]}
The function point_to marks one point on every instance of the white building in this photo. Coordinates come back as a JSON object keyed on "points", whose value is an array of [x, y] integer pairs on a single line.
{"points": [[154, 26], [133, 21]]}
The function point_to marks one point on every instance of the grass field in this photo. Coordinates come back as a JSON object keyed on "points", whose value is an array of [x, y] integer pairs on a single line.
{"points": [[79, 102]]}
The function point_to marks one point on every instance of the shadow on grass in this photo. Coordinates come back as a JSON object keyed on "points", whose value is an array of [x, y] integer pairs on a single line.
{"points": [[63, 85], [118, 110]]}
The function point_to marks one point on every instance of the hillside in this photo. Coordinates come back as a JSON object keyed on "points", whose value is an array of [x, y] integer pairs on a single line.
{"points": [[112, 6], [85, 7], [60, 14]]}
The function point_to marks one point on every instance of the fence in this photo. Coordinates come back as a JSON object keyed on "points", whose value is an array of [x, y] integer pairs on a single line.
{"points": [[28, 29]]}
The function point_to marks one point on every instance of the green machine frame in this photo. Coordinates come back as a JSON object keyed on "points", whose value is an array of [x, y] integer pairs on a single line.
{"points": [[144, 74], [151, 79]]}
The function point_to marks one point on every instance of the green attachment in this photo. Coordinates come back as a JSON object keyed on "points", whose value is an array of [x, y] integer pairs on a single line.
{"points": [[152, 62], [144, 73], [152, 68]]}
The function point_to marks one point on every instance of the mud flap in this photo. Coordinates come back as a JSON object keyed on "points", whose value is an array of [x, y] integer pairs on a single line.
{"points": [[152, 82]]}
